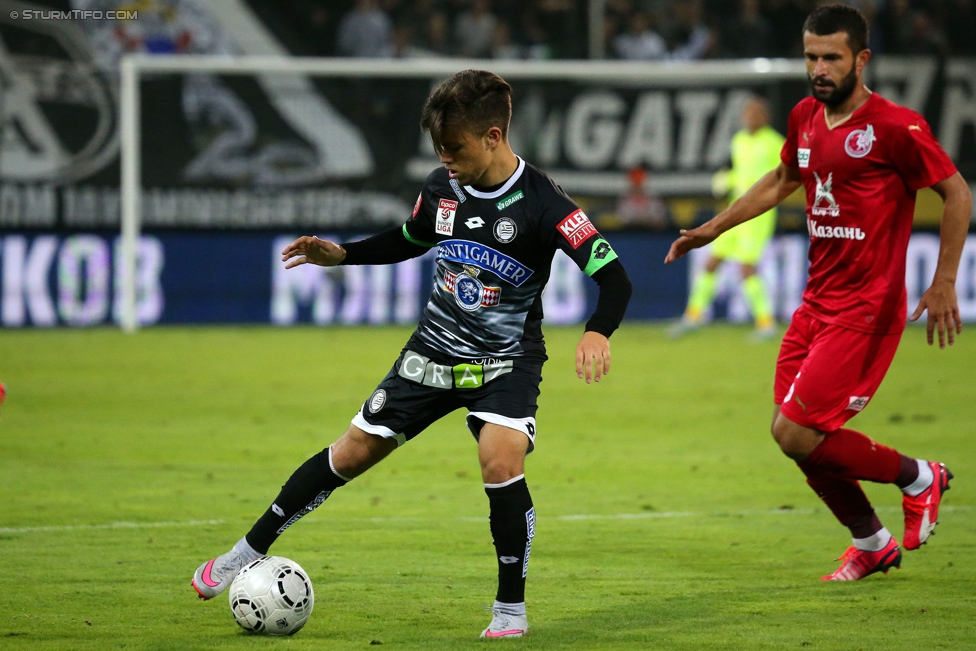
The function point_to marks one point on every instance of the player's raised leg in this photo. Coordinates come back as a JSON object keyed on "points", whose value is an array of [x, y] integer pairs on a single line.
{"points": [[307, 488], [501, 451]]}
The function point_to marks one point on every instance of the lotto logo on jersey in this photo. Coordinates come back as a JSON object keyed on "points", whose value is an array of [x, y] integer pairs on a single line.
{"points": [[446, 210], [576, 228]]}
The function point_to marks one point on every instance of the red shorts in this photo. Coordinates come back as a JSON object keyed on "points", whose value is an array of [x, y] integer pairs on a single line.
{"points": [[826, 374]]}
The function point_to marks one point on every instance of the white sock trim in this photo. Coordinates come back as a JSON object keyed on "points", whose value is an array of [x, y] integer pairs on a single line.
{"points": [[332, 466], [506, 483], [502, 608], [923, 481], [243, 548], [874, 543]]}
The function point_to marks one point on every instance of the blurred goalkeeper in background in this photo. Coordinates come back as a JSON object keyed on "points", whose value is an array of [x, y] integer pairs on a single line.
{"points": [[755, 150], [496, 223]]}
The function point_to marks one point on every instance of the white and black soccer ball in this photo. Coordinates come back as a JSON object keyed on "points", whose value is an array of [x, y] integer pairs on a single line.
{"points": [[272, 596]]}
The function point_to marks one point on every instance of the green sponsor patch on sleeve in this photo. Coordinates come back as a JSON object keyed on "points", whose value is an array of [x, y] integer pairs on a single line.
{"points": [[407, 235], [600, 255]]}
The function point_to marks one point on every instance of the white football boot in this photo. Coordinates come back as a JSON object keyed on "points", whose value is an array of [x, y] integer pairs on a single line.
{"points": [[503, 625], [216, 575]]}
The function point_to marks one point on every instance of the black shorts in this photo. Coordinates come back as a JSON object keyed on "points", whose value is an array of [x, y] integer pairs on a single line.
{"points": [[418, 391]]}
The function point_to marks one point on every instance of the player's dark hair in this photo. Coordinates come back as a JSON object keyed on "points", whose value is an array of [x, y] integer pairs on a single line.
{"points": [[831, 19], [471, 100]]}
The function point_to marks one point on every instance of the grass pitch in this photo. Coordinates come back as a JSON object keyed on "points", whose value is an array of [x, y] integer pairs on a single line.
{"points": [[667, 518]]}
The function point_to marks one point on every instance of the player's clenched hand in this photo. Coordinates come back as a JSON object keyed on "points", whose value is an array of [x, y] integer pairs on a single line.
{"points": [[943, 306], [690, 239], [592, 356], [313, 250]]}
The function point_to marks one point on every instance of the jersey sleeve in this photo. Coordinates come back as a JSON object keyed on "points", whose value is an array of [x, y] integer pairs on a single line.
{"points": [[917, 155], [419, 228], [571, 231], [788, 153]]}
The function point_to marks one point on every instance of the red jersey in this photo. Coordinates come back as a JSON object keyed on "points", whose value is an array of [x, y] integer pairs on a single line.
{"points": [[861, 177]]}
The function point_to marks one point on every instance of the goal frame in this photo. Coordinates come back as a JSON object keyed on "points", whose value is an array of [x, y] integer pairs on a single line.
{"points": [[134, 67]]}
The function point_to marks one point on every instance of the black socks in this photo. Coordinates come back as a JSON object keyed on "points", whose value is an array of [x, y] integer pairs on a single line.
{"points": [[512, 528], [304, 491]]}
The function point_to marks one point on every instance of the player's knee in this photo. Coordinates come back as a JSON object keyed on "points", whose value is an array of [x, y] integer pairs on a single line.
{"points": [[500, 469], [790, 437], [357, 451]]}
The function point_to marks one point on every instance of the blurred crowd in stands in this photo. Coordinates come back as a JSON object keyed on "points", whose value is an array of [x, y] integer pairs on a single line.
{"points": [[632, 29]]}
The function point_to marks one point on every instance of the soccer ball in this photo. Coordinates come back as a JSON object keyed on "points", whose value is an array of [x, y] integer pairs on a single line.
{"points": [[272, 596]]}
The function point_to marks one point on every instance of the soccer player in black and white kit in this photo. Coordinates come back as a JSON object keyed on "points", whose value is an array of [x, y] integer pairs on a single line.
{"points": [[496, 222]]}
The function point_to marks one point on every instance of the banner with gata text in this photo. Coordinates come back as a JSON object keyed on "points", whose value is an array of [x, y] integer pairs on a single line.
{"points": [[285, 151]]}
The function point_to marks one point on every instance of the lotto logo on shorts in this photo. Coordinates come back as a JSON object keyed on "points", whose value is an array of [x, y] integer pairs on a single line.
{"points": [[576, 228], [446, 210], [858, 403]]}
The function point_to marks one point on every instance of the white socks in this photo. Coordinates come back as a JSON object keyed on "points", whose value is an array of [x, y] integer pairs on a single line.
{"points": [[509, 609], [874, 543], [924, 480], [246, 551]]}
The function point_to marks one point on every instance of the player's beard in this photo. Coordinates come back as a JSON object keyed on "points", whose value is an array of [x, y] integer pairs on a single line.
{"points": [[840, 93]]}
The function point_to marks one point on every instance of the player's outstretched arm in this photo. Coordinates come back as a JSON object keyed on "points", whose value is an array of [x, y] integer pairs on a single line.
{"points": [[767, 192], [940, 298], [592, 356], [310, 249]]}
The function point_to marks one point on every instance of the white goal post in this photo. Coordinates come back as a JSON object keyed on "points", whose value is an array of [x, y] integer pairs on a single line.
{"points": [[136, 66]]}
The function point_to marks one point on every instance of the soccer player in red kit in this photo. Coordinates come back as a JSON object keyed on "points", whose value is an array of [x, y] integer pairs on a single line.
{"points": [[860, 159]]}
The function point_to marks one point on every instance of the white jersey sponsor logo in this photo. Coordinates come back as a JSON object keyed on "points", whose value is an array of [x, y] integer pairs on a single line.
{"points": [[857, 403], [824, 194], [859, 143], [835, 232], [803, 157]]}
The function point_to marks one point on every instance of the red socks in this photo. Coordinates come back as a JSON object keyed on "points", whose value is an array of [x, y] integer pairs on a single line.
{"points": [[834, 468], [853, 455]]}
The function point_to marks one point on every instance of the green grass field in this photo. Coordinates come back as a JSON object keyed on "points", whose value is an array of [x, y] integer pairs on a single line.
{"points": [[667, 517]]}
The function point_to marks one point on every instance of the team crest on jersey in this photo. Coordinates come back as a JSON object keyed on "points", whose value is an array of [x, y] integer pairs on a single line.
{"points": [[824, 204], [576, 228], [859, 142], [446, 210], [469, 292], [505, 230]]}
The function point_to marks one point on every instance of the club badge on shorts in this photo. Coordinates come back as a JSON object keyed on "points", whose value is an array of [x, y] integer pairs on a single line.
{"points": [[377, 401]]}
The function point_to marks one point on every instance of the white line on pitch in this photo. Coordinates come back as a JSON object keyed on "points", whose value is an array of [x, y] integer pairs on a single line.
{"points": [[110, 525], [647, 515]]}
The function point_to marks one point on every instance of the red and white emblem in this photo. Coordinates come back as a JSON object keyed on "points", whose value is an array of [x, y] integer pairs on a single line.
{"points": [[446, 210], [859, 143], [576, 228]]}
